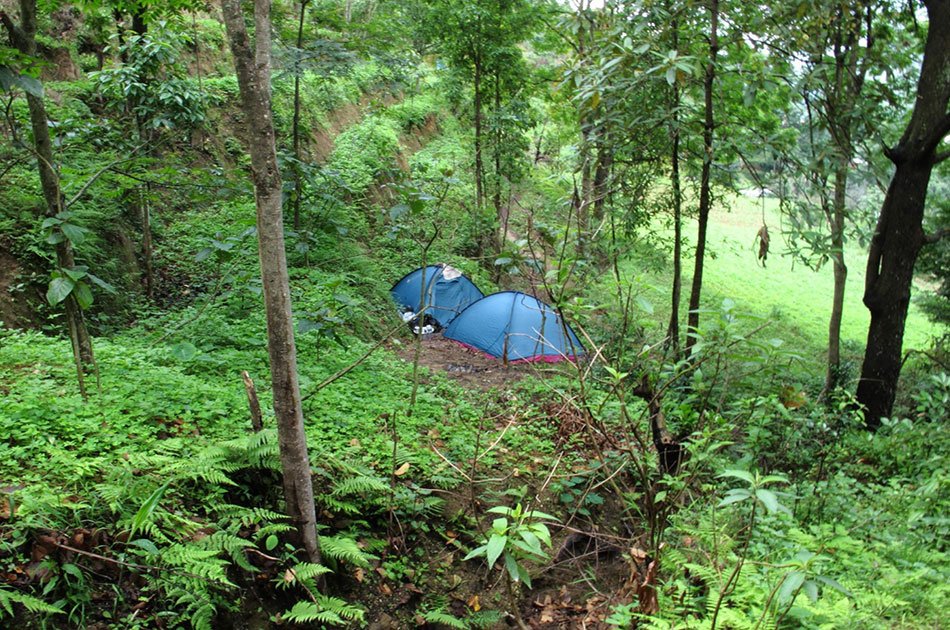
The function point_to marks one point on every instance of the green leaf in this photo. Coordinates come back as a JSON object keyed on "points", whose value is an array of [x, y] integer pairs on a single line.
{"points": [[734, 496], [71, 569], [793, 581], [102, 284], [146, 544], [768, 499], [7, 78], [827, 581], [811, 590], [30, 86], [496, 545], [271, 542], [533, 542], [75, 274], [184, 351], [59, 290], [474, 553], [645, 305], [512, 566], [74, 233], [83, 295], [738, 474], [145, 512]]}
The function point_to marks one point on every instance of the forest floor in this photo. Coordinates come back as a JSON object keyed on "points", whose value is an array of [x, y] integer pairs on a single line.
{"points": [[469, 368]]}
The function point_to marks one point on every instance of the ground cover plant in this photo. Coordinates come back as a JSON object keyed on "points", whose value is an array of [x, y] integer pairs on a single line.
{"points": [[690, 470]]}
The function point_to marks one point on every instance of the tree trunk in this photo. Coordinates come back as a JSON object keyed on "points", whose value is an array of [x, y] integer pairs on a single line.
{"points": [[479, 167], [500, 211], [673, 330], [298, 193], [252, 64], [840, 274], [147, 243], [24, 38], [899, 234], [605, 162], [705, 180]]}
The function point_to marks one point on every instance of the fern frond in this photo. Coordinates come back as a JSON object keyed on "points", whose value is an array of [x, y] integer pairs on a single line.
{"points": [[444, 618], [344, 549], [309, 612], [308, 570], [234, 546], [485, 619], [360, 485], [33, 604], [203, 563]]}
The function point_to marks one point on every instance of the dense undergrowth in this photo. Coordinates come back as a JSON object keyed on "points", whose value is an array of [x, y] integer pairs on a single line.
{"points": [[541, 500]]}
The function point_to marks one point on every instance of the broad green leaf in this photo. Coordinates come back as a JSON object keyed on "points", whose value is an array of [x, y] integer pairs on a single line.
{"points": [[102, 284], [83, 295], [535, 514], [74, 233], [59, 290], [496, 545], [7, 78], [500, 525], [184, 351], [827, 581], [768, 499], [474, 553], [811, 590], [146, 544], [30, 86], [735, 496], [524, 575], [75, 274], [533, 542], [72, 569], [790, 585], [738, 474], [271, 542], [514, 569]]}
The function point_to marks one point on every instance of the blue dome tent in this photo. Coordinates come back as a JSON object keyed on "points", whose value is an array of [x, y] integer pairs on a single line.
{"points": [[447, 292], [515, 327]]}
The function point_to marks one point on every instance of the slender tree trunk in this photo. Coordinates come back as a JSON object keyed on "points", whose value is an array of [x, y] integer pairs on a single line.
{"points": [[479, 167], [24, 38], [840, 275], [298, 193], [673, 330], [705, 180], [147, 243], [605, 162], [899, 234], [252, 64], [500, 211]]}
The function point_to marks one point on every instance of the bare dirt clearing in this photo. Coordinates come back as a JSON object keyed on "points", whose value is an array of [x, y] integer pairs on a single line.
{"points": [[468, 367]]}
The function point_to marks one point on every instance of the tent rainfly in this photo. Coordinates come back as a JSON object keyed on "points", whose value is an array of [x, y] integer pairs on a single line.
{"points": [[443, 290], [515, 327]]}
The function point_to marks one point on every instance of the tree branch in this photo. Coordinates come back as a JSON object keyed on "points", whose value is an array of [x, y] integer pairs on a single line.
{"points": [[936, 237], [99, 173]]}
